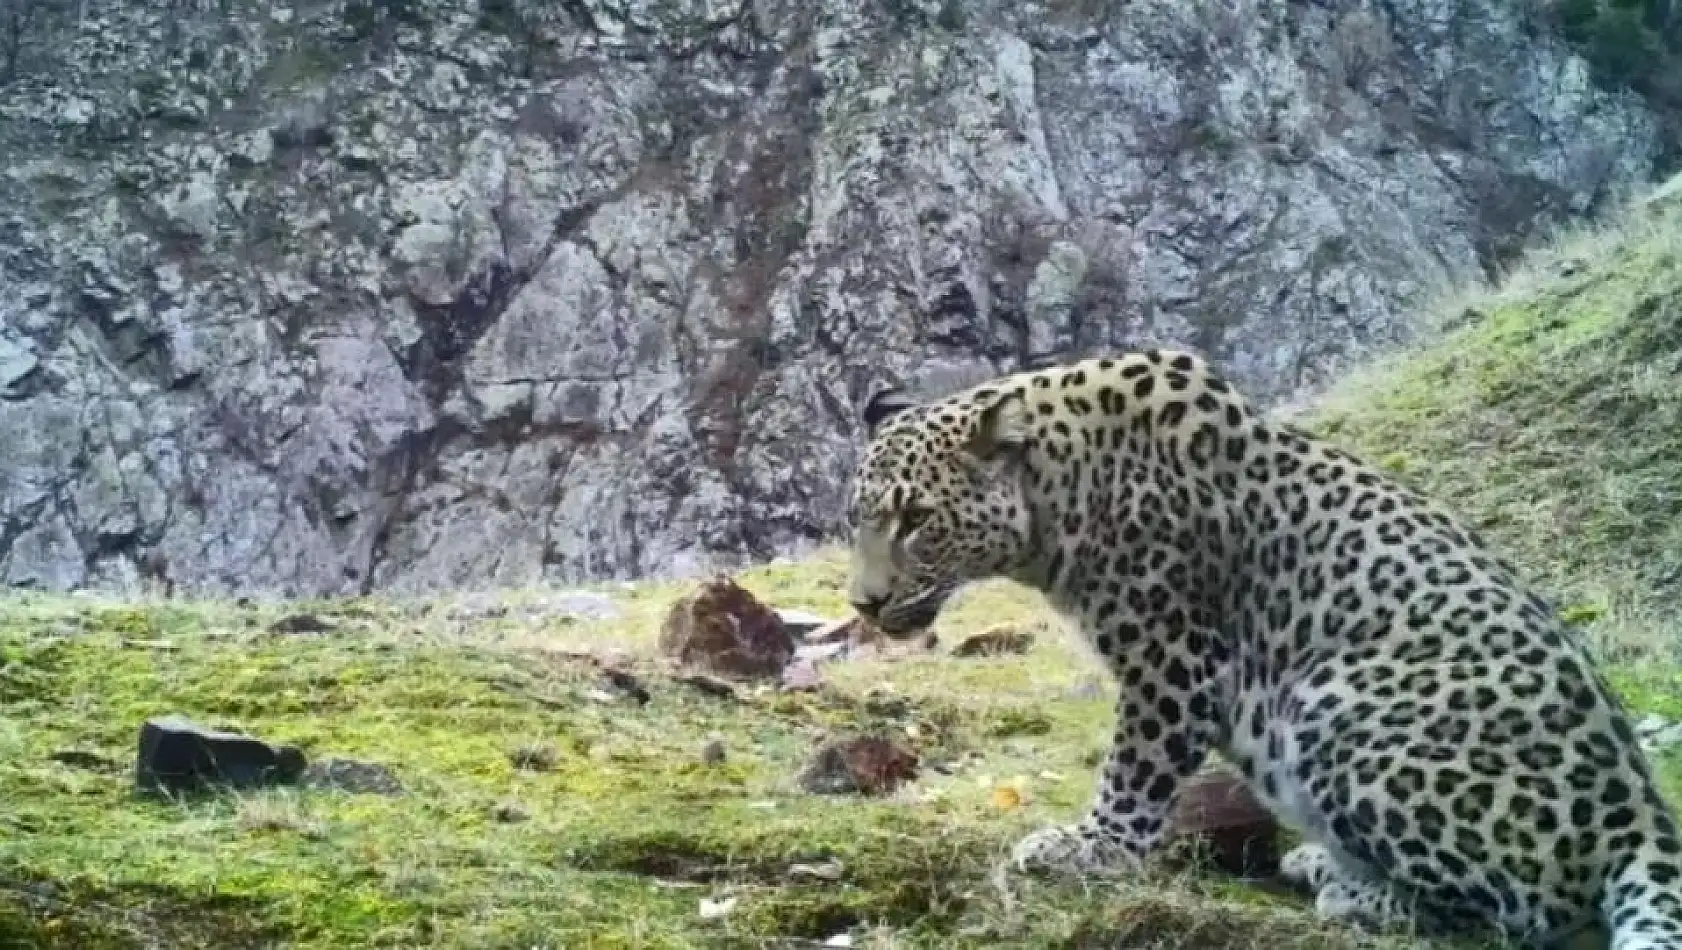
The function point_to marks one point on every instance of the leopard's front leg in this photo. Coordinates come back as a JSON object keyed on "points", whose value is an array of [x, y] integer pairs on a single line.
{"points": [[1166, 725]]}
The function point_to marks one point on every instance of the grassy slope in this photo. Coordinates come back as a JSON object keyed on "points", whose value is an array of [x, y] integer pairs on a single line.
{"points": [[1552, 418]]}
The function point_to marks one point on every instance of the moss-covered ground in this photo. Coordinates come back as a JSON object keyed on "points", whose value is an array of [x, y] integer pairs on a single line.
{"points": [[625, 833], [1549, 412]]}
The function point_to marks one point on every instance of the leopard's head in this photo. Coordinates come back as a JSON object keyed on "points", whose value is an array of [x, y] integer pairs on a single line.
{"points": [[939, 500]]}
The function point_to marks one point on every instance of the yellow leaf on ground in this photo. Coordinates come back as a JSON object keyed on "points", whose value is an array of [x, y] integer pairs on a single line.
{"points": [[1005, 797]]}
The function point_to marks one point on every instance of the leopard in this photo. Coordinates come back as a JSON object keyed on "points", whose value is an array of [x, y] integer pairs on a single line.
{"points": [[1380, 676]]}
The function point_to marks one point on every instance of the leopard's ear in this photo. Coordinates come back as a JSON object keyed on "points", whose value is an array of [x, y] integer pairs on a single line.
{"points": [[1001, 428], [882, 405]]}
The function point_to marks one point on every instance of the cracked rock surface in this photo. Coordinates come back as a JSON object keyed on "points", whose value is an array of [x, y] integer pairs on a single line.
{"points": [[328, 297]]}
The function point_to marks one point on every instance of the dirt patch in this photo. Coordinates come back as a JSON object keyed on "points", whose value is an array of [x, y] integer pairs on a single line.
{"points": [[670, 856]]}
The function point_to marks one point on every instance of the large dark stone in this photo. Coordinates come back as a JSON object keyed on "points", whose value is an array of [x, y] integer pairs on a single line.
{"points": [[178, 755]]}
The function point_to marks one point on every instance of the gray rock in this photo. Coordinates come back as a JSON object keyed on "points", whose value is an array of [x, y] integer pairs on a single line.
{"points": [[801, 622], [590, 290]]}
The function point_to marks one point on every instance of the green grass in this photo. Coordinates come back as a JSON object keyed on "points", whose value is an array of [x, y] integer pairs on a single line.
{"points": [[1551, 416], [627, 832]]}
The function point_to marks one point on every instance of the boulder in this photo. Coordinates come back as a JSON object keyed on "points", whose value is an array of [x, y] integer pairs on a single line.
{"points": [[177, 755]]}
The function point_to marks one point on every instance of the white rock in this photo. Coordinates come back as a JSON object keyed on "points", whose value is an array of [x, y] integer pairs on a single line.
{"points": [[714, 909]]}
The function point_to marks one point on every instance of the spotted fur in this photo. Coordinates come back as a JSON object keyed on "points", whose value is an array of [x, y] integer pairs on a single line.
{"points": [[1386, 683]]}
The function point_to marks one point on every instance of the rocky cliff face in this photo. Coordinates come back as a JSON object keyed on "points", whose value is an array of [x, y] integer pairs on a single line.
{"points": [[328, 297]]}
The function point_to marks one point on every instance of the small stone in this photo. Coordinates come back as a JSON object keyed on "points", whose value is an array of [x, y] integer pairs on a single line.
{"points": [[725, 629], [535, 757], [1002, 640], [178, 755], [868, 765], [349, 775], [509, 813], [713, 752], [800, 622]]}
